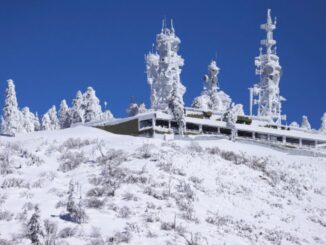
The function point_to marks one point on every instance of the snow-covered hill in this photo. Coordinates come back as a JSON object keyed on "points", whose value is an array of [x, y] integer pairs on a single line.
{"points": [[150, 191]]}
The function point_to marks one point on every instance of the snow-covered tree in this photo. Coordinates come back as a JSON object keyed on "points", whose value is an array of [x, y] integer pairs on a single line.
{"points": [[75, 207], [64, 115], [12, 122], [28, 120], [176, 107], [135, 109], [142, 108], [305, 123], [34, 230], [50, 119], [294, 124], [164, 68], [132, 109], [212, 98], [231, 117], [78, 109], [202, 102], [323, 124], [46, 122], [106, 115], [92, 106], [37, 124], [238, 109]]}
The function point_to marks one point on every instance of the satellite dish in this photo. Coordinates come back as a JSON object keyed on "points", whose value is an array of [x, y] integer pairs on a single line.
{"points": [[206, 78], [268, 70]]}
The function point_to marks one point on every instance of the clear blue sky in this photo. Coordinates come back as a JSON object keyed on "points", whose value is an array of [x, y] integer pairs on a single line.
{"points": [[53, 48]]}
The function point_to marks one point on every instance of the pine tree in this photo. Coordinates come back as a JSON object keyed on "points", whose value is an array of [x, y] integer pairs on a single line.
{"points": [[11, 123], [106, 115], [78, 109], [46, 122], [37, 124], [305, 123], [142, 108], [71, 200], [50, 120], [294, 124], [136, 108], [75, 210], [176, 107], [64, 115], [323, 124], [231, 117], [34, 230], [28, 120], [54, 118], [92, 106], [132, 110]]}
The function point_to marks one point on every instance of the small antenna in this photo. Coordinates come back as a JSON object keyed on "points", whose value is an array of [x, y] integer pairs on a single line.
{"points": [[172, 28], [163, 24]]}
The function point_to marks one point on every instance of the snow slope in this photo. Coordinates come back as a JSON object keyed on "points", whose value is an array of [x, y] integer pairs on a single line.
{"points": [[150, 191]]}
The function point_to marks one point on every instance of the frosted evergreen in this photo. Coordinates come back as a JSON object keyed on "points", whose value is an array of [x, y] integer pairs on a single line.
{"points": [[176, 107], [50, 120], [34, 230], [135, 109], [323, 124], [294, 125], [28, 120], [12, 117], [78, 108], [305, 123], [64, 115], [92, 106]]}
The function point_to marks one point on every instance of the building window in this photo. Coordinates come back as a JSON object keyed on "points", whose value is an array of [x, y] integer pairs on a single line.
{"points": [[192, 127], [276, 138], [292, 140], [244, 134], [225, 131], [209, 130], [308, 142], [162, 123], [261, 136], [146, 123], [174, 125]]}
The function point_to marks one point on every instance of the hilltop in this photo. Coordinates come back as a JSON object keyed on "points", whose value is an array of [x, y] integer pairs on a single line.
{"points": [[149, 191]]}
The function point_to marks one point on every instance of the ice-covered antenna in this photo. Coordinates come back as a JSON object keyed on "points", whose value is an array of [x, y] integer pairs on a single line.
{"points": [[153, 45], [172, 28], [132, 99], [163, 24], [275, 50], [105, 104]]}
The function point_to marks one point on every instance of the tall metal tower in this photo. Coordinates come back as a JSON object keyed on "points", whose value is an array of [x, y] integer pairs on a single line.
{"points": [[163, 68], [266, 94]]}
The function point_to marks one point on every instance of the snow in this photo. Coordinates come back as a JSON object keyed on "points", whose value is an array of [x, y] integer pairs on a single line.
{"points": [[215, 190]]}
